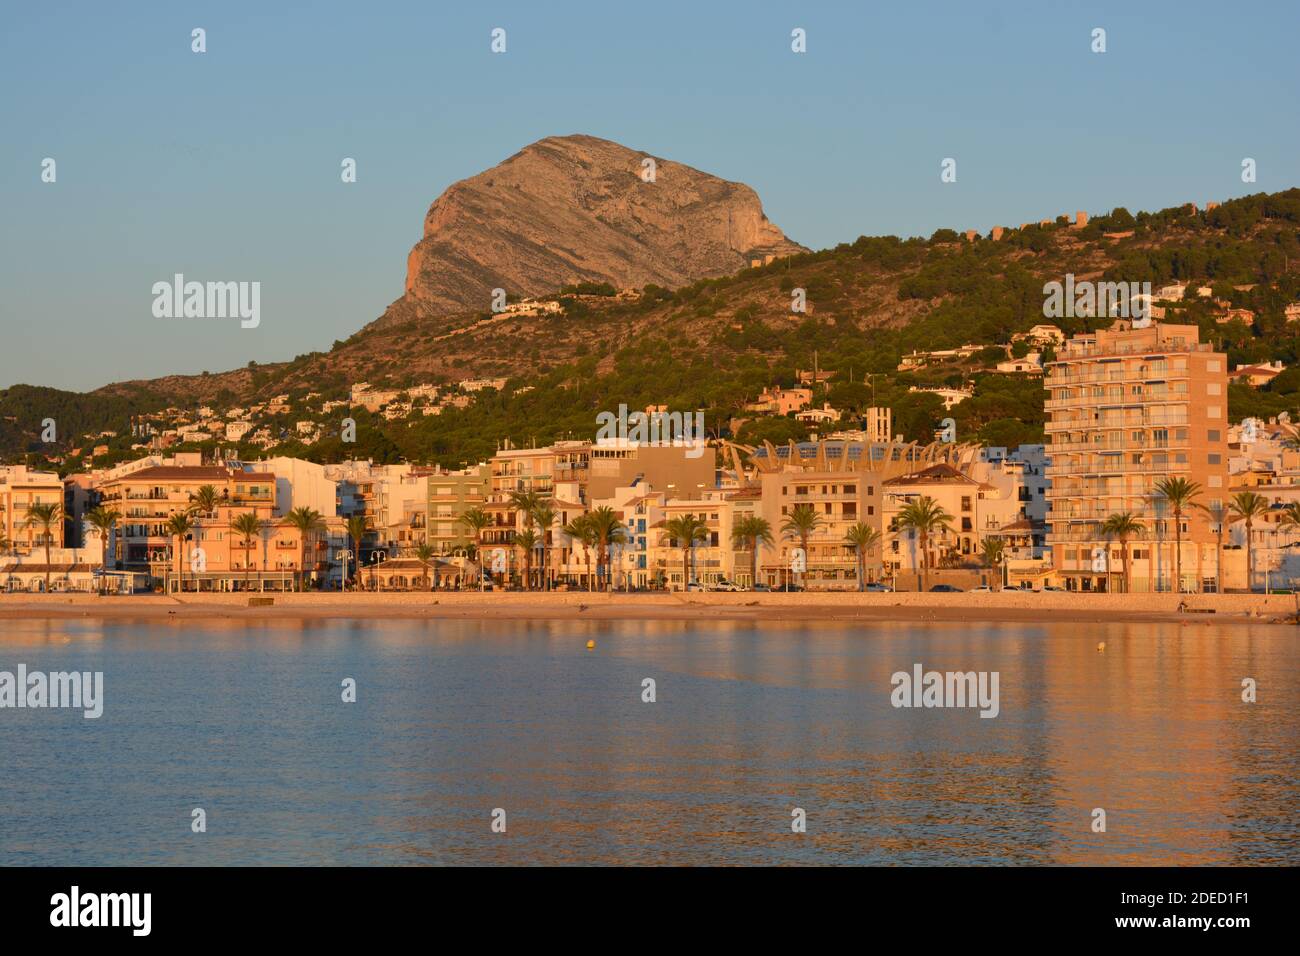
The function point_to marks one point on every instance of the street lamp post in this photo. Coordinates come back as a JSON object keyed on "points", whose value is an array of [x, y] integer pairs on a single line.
{"points": [[343, 554], [377, 557]]}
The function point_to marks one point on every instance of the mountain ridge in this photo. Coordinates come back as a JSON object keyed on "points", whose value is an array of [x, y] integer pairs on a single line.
{"points": [[577, 208]]}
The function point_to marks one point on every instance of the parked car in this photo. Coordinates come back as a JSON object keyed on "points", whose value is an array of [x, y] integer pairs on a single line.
{"points": [[1016, 587], [696, 586], [760, 586], [1052, 587], [878, 588], [724, 585], [944, 588], [984, 589]]}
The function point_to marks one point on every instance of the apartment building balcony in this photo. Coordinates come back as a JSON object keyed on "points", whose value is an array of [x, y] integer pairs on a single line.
{"points": [[828, 496], [1078, 489], [1127, 421], [1144, 400], [1074, 351], [1065, 470], [1117, 445], [1059, 378]]}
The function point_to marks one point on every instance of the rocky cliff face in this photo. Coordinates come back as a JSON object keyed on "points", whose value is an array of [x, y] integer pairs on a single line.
{"points": [[577, 208]]}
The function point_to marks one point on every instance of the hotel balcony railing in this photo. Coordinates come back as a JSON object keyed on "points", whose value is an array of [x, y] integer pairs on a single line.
{"points": [[1082, 424], [1060, 470], [1099, 513], [1060, 376], [1111, 401], [1056, 492], [1056, 448], [1084, 537], [1153, 349]]}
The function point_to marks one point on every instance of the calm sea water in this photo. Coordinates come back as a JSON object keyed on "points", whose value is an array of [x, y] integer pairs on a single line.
{"points": [[454, 719]]}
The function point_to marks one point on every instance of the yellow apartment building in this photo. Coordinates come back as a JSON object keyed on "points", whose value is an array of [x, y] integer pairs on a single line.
{"points": [[20, 488]]}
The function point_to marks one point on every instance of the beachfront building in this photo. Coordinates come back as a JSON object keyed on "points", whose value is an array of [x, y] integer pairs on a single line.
{"points": [[20, 489], [573, 474], [450, 495], [1265, 460], [1128, 407], [711, 559], [996, 494], [212, 555], [842, 482]]}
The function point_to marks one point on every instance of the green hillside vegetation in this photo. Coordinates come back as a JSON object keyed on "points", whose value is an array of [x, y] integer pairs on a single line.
{"points": [[714, 345]]}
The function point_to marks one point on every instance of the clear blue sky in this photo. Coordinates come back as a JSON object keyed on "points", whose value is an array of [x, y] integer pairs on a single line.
{"points": [[225, 165]]}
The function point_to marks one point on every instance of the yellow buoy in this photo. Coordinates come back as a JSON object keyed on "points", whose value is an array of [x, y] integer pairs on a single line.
{"points": [[591, 645]]}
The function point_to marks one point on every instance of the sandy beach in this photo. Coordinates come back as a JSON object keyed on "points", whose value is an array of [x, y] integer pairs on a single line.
{"points": [[1009, 607]]}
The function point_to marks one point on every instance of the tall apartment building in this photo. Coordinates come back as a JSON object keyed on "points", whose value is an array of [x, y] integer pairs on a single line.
{"points": [[1126, 408]]}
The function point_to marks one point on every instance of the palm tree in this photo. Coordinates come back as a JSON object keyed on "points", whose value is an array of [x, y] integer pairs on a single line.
{"points": [[923, 517], [44, 516], [248, 526], [424, 554], [204, 500], [1217, 512], [103, 520], [608, 528], [1123, 525], [1180, 493], [686, 530], [544, 515], [1247, 506], [1291, 515], [749, 532], [307, 521], [525, 503], [802, 521], [179, 526], [580, 530], [474, 521], [526, 540], [356, 529], [994, 552], [861, 537]]}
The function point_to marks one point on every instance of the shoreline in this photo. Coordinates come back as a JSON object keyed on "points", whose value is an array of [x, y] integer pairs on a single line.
{"points": [[1012, 608]]}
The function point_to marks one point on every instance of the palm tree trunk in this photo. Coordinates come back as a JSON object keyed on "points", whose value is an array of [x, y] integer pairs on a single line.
{"points": [[1250, 561], [862, 570], [103, 562], [753, 558], [1218, 561], [47, 560], [686, 569], [925, 554], [1178, 552]]}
